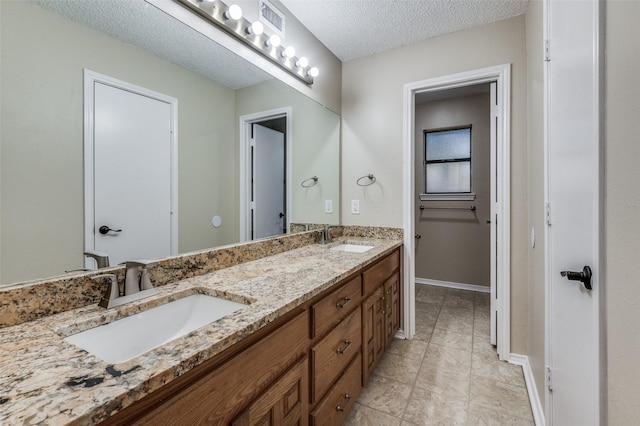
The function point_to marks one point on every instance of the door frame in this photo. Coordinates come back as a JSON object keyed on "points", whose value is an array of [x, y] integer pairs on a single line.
{"points": [[501, 74], [246, 121], [90, 78]]}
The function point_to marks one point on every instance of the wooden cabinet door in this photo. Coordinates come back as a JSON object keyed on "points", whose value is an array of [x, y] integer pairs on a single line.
{"points": [[391, 308], [373, 332], [284, 403]]}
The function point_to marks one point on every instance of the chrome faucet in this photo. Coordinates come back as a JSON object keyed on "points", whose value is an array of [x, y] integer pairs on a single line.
{"points": [[326, 234], [137, 284], [136, 277], [101, 258]]}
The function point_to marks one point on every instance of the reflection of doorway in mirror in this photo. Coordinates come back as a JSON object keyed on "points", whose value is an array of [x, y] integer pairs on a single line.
{"points": [[269, 178], [130, 159], [265, 152]]}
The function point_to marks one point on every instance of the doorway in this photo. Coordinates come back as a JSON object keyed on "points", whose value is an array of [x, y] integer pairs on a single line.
{"points": [[130, 159], [265, 174], [499, 194]]}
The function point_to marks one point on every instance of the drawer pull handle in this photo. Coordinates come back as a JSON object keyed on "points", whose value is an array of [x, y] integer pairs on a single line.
{"points": [[344, 302], [342, 350], [347, 397]]}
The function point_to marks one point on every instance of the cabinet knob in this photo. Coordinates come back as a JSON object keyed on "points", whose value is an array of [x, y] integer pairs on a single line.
{"points": [[347, 398], [343, 303], [342, 349]]}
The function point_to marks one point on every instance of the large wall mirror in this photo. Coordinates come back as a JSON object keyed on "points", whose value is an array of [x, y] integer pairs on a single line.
{"points": [[47, 45]]}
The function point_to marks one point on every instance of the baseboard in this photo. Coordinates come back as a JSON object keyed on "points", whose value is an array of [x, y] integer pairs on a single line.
{"points": [[536, 406], [459, 286]]}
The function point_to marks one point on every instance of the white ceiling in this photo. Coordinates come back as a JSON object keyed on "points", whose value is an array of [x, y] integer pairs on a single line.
{"points": [[355, 28]]}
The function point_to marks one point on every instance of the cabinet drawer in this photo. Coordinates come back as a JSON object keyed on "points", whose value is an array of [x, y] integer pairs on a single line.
{"points": [[334, 307], [378, 273], [332, 354], [335, 407]]}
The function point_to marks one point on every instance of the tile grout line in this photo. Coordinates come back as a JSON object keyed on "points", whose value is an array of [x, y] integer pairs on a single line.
{"points": [[424, 355]]}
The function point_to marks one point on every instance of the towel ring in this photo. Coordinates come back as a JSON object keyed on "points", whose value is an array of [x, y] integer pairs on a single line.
{"points": [[304, 183], [371, 178]]}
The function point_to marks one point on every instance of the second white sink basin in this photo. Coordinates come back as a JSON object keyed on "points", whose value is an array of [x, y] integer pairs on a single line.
{"points": [[129, 337], [353, 248]]}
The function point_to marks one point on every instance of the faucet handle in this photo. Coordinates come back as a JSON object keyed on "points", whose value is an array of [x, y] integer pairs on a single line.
{"points": [[101, 258], [111, 292], [142, 263]]}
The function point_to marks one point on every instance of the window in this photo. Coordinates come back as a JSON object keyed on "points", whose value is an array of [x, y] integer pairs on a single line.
{"points": [[447, 162]]}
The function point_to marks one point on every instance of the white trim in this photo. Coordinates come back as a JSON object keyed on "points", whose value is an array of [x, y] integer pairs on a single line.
{"points": [[459, 286], [90, 78], [245, 160], [501, 75], [532, 390]]}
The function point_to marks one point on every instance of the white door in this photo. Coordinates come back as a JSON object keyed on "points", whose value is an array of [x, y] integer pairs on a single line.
{"points": [[268, 182], [573, 125], [132, 182]]}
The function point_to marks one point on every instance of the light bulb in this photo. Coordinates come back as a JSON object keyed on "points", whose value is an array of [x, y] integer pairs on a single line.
{"points": [[274, 41], [256, 28], [302, 62], [289, 52], [314, 72], [234, 12]]}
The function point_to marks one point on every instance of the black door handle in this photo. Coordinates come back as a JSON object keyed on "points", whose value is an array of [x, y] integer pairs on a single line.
{"points": [[104, 230], [281, 214], [584, 276]]}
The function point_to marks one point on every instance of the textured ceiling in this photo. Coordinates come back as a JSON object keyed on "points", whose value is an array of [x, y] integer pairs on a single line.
{"points": [[355, 28], [141, 24]]}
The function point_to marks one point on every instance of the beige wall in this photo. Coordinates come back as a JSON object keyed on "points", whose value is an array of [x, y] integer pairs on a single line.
{"points": [[535, 154], [315, 146], [455, 247], [372, 94], [622, 211], [43, 56]]}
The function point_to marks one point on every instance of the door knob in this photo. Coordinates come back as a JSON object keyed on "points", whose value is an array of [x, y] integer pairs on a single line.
{"points": [[281, 215], [104, 230], [584, 276], [418, 236]]}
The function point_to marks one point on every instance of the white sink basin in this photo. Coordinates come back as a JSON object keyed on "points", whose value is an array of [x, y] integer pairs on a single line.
{"points": [[353, 248], [129, 337]]}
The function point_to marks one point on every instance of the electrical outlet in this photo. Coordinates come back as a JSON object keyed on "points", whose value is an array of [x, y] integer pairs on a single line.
{"points": [[328, 206], [355, 206]]}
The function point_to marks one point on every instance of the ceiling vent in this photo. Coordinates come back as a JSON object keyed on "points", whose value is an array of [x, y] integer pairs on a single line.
{"points": [[271, 17]]}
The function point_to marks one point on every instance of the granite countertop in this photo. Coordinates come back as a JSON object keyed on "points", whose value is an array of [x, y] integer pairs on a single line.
{"points": [[46, 380]]}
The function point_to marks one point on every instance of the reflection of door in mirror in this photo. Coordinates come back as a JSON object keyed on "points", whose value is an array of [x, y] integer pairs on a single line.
{"points": [[269, 179], [130, 188]]}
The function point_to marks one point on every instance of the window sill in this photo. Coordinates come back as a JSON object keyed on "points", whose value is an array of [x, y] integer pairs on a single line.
{"points": [[448, 197]]}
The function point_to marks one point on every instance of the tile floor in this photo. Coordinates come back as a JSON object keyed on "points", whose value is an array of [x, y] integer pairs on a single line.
{"points": [[449, 374]]}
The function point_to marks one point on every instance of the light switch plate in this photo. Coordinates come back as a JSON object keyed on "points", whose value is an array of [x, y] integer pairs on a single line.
{"points": [[328, 206], [355, 206]]}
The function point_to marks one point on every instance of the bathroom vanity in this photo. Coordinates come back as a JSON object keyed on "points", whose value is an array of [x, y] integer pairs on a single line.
{"points": [[315, 325]]}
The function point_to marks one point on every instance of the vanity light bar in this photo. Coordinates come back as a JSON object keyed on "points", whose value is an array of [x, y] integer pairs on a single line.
{"points": [[229, 18]]}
